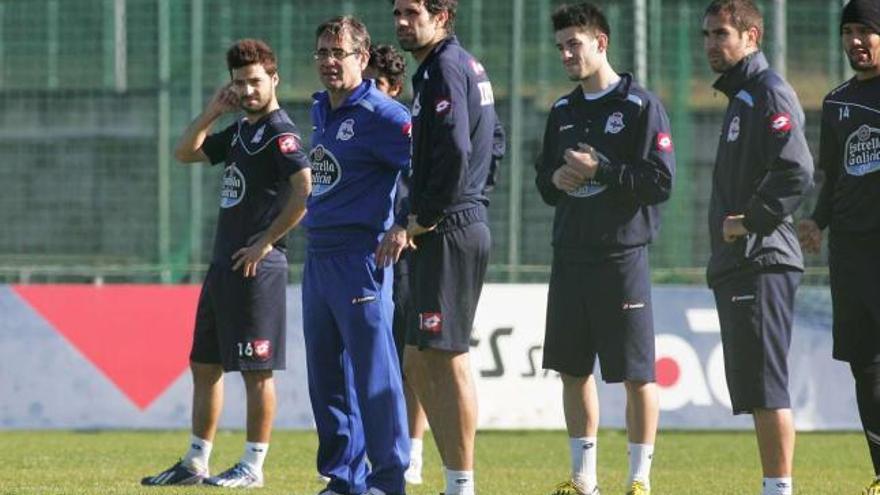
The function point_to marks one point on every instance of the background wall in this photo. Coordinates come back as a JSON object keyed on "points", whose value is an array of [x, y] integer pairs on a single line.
{"points": [[79, 356]]}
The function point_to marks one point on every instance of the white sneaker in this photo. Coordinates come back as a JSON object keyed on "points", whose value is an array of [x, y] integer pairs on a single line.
{"points": [[413, 474], [240, 475], [322, 479]]}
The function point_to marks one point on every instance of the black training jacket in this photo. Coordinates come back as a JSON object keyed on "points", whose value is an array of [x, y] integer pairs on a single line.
{"points": [[453, 117], [618, 209], [763, 169]]}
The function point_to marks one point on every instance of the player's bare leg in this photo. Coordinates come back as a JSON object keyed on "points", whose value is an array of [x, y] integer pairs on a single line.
{"points": [[248, 472], [418, 423], [260, 386], [442, 380], [642, 416], [642, 412], [775, 432], [192, 469], [580, 404], [207, 399]]}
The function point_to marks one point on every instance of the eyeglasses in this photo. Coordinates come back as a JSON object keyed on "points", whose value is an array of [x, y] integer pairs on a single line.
{"points": [[335, 54]]}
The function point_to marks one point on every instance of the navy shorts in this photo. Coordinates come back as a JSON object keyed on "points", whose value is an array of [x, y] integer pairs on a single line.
{"points": [[241, 323], [855, 292], [446, 278], [601, 307], [756, 310]]}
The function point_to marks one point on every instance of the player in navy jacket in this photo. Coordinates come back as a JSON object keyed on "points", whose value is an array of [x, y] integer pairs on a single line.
{"points": [[360, 146], [849, 156], [453, 123], [763, 169], [607, 163]]}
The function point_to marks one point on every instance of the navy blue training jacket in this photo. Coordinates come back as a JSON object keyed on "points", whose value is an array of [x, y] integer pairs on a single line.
{"points": [[763, 169], [618, 209], [453, 118]]}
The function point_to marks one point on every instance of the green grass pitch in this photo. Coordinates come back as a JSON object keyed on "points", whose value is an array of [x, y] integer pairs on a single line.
{"points": [[508, 462]]}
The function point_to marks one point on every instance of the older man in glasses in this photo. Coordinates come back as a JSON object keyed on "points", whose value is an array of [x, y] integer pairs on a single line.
{"points": [[360, 145]]}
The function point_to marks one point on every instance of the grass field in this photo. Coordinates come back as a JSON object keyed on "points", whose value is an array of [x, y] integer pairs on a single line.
{"points": [[509, 462]]}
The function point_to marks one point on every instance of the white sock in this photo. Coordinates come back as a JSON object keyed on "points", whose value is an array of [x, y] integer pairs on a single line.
{"points": [[255, 454], [415, 450], [640, 457], [459, 482], [199, 453], [583, 462], [777, 486]]}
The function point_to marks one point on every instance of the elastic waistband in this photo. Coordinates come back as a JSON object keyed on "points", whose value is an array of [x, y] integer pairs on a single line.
{"points": [[463, 218], [337, 241]]}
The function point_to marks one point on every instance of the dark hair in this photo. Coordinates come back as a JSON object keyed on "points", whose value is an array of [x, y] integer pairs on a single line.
{"points": [[744, 14], [251, 51], [389, 63], [338, 26], [434, 7], [583, 15]]}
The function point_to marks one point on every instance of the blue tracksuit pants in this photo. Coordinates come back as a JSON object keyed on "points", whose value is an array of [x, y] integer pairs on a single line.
{"points": [[354, 376]]}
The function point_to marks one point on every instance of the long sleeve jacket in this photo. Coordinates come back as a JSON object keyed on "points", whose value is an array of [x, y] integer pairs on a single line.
{"points": [[618, 208], [453, 120], [763, 169]]}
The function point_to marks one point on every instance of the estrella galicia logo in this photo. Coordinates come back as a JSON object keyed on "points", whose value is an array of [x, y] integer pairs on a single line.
{"points": [[326, 171], [591, 188], [233, 187], [862, 151]]}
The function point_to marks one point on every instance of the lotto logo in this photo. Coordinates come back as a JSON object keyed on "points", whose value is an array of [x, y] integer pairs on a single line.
{"points": [[780, 123], [287, 144], [259, 350], [664, 142], [442, 106], [431, 322]]}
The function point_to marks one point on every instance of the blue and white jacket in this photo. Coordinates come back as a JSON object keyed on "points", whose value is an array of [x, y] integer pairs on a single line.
{"points": [[358, 151]]}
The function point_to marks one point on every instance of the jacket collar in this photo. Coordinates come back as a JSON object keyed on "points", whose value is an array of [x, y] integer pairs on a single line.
{"points": [[737, 76], [359, 93], [451, 40], [620, 91]]}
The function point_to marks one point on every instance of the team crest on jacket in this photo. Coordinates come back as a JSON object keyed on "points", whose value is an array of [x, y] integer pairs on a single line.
{"points": [[233, 187], [615, 123], [346, 130], [862, 151], [780, 123], [733, 130], [326, 171]]}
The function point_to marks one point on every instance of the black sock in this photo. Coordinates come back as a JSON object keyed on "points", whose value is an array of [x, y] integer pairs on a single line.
{"points": [[868, 397]]}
